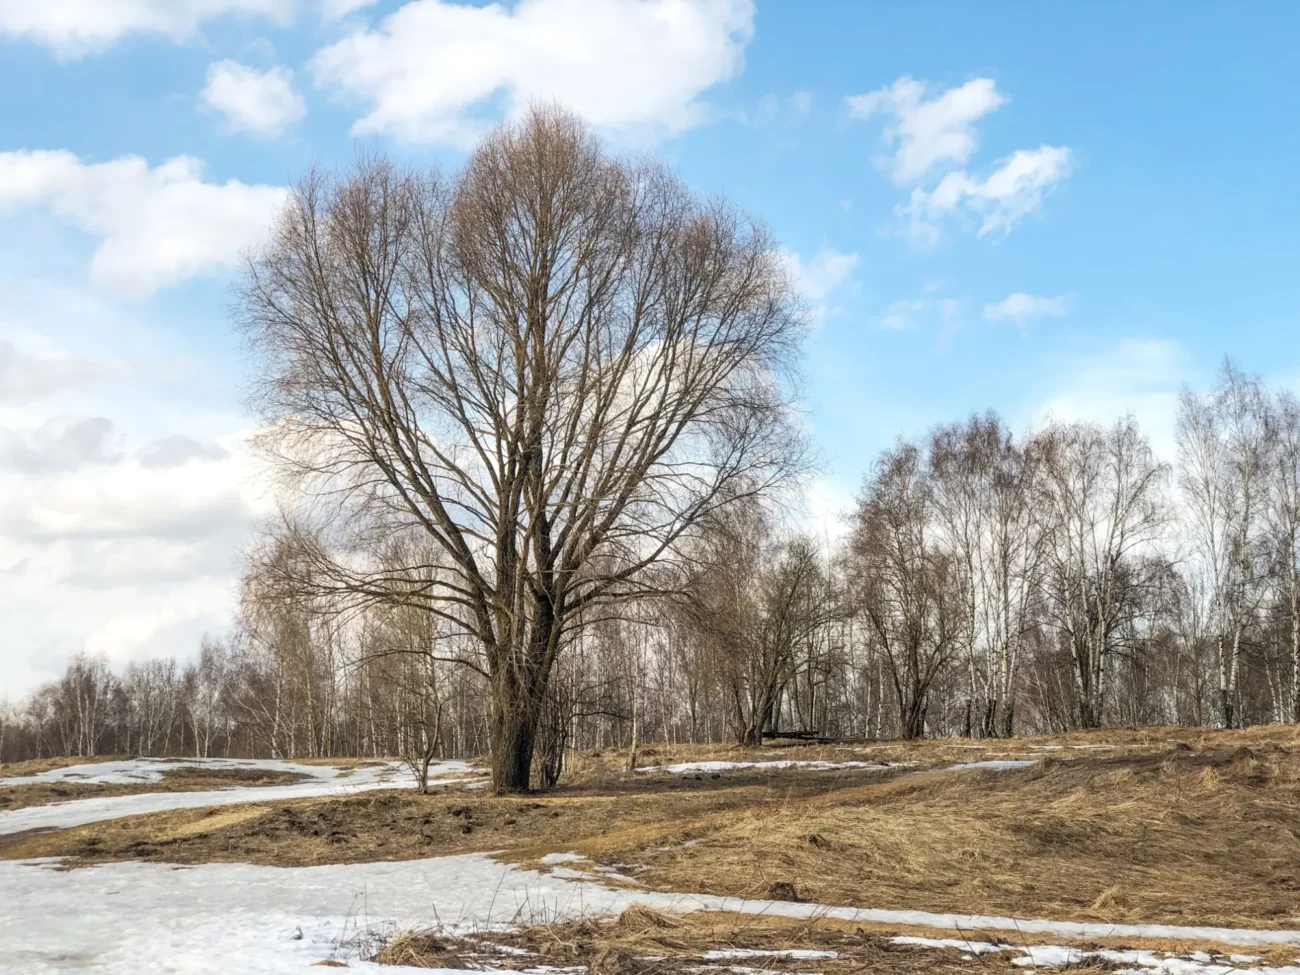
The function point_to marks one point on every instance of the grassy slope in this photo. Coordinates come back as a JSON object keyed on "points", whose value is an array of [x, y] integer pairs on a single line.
{"points": [[1173, 826]]}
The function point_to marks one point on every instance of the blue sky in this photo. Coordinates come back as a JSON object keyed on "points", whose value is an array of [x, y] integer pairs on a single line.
{"points": [[1048, 209]]}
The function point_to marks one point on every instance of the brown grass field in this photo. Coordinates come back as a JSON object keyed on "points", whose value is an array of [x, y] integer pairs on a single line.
{"points": [[1175, 826]]}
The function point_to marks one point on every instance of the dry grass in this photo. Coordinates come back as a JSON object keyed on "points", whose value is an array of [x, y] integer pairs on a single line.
{"points": [[399, 825], [644, 942], [1184, 835], [180, 779], [1176, 826]]}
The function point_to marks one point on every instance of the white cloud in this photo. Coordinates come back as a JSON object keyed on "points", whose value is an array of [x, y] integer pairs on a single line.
{"points": [[338, 9], [818, 278], [134, 517], [147, 554], [156, 226], [1022, 308], [261, 102], [924, 133], [63, 444], [826, 271], [27, 374], [827, 503], [998, 202], [177, 450], [75, 28], [1141, 377], [917, 313], [436, 71]]}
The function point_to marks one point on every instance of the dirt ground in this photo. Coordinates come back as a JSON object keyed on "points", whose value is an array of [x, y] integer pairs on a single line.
{"points": [[181, 779], [402, 824]]}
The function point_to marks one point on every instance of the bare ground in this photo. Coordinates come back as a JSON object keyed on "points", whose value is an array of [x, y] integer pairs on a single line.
{"points": [[403, 824]]}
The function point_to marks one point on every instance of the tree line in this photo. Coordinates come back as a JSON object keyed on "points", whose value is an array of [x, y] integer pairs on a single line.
{"points": [[986, 585], [534, 424]]}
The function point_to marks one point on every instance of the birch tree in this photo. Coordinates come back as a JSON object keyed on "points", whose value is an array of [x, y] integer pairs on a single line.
{"points": [[1223, 442], [1101, 498], [1284, 529]]}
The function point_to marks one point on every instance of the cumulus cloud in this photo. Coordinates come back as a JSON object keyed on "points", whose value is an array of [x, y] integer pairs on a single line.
{"points": [[60, 445], [824, 272], [1022, 308], [338, 9], [177, 450], [261, 102], [1142, 377], [27, 374], [916, 313], [994, 204], [819, 277], [75, 28], [924, 132], [925, 136], [157, 226], [439, 72]]}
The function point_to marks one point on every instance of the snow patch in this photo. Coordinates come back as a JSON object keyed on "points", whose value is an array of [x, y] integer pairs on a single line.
{"points": [[688, 768], [327, 781], [804, 953], [1001, 763], [275, 920]]}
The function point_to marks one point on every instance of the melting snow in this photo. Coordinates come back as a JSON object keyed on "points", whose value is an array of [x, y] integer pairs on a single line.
{"points": [[325, 781], [973, 947], [804, 953], [125, 918], [688, 768], [132, 770], [1004, 763], [1138, 962]]}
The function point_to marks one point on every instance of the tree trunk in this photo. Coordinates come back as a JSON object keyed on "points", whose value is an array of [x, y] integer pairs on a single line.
{"points": [[514, 732], [1008, 718]]}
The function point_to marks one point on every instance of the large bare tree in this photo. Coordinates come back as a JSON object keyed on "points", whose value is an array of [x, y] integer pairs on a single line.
{"points": [[553, 364]]}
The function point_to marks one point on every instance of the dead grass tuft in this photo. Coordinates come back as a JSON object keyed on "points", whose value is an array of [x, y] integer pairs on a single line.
{"points": [[420, 950], [639, 918]]}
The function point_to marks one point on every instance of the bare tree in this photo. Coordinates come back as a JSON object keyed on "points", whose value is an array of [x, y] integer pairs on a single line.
{"points": [[1223, 443], [1284, 529], [553, 365], [1101, 499], [905, 586], [755, 606], [984, 484]]}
